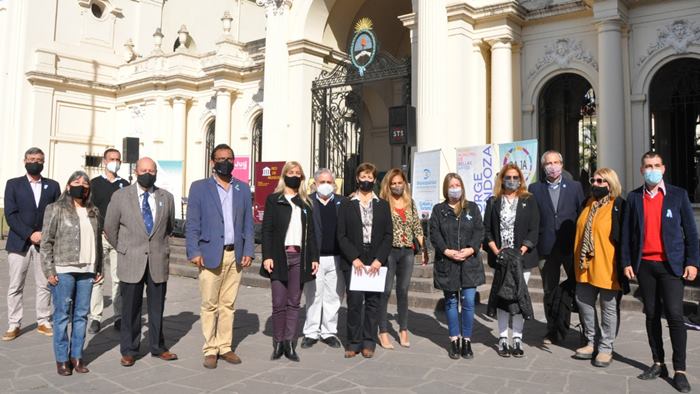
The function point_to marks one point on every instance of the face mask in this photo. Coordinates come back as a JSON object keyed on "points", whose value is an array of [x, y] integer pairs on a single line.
{"points": [[146, 180], [599, 192], [223, 169], [454, 193], [292, 182], [113, 166], [511, 184], [396, 190], [366, 186], [553, 171], [653, 176], [325, 189], [77, 192], [34, 168]]}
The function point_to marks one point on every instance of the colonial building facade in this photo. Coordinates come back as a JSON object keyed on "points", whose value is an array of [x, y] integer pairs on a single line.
{"points": [[600, 80]]}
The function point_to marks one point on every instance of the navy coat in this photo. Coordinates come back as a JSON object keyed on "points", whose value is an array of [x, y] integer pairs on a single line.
{"points": [[21, 212], [558, 230]]}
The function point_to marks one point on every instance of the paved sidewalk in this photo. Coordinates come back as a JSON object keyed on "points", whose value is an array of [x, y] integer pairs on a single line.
{"points": [[27, 363]]}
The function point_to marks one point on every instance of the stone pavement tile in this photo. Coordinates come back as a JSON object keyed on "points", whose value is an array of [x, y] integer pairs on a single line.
{"points": [[553, 379], [370, 367], [456, 376], [484, 384], [583, 382], [168, 388], [34, 383], [335, 384], [211, 380], [655, 386], [96, 385], [432, 387], [499, 372], [288, 376], [141, 376], [372, 390], [254, 386], [382, 380]]}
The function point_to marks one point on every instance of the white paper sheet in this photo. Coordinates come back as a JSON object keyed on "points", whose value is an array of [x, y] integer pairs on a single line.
{"points": [[365, 282]]}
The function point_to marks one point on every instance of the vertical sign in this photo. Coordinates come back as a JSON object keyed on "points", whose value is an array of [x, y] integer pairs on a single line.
{"points": [[241, 168], [170, 178], [477, 165], [522, 153], [267, 174], [426, 181]]}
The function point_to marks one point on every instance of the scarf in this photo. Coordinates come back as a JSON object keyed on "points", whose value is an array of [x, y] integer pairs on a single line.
{"points": [[587, 249]]}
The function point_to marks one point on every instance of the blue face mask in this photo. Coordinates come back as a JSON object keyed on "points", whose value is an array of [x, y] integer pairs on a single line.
{"points": [[653, 176]]}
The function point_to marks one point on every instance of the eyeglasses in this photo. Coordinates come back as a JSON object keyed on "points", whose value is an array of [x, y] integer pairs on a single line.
{"points": [[597, 181], [511, 178]]}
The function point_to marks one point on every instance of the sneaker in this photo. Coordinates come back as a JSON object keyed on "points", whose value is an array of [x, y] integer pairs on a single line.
{"points": [[11, 334], [503, 348], [45, 329], [94, 327], [584, 353], [602, 360], [517, 350]]}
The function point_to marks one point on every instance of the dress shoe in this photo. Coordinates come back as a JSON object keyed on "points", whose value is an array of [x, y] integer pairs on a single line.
{"points": [[166, 356], [63, 369], [503, 348], [654, 372], [127, 361], [350, 353], [403, 338], [11, 334], [333, 342], [230, 357], [118, 324], [680, 382], [584, 353], [308, 342], [517, 350], [454, 350], [384, 341], [45, 329], [209, 362], [467, 352], [367, 353], [278, 350], [290, 350], [602, 360], [94, 327], [78, 365]]}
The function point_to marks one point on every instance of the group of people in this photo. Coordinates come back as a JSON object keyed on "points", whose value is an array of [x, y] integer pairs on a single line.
{"points": [[313, 243]]}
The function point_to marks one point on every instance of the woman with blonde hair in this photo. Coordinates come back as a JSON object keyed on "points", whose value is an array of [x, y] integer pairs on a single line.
{"points": [[406, 229], [290, 255], [598, 266], [456, 232], [512, 222]]}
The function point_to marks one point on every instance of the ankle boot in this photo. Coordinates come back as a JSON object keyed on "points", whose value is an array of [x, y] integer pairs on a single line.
{"points": [[290, 350], [78, 365], [454, 349], [467, 349], [63, 369], [278, 350]]}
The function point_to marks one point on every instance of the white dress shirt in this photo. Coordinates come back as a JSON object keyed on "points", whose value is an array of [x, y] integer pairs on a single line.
{"points": [[36, 188], [151, 201]]}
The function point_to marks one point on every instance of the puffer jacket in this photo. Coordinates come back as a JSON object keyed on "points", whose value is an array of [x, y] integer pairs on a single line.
{"points": [[60, 235], [509, 291], [449, 231]]}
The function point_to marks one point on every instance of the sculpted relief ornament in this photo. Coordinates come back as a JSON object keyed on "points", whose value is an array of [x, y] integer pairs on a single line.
{"points": [[277, 7], [562, 53], [678, 35]]}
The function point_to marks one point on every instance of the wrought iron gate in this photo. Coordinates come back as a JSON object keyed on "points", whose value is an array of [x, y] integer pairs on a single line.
{"points": [[336, 112]]}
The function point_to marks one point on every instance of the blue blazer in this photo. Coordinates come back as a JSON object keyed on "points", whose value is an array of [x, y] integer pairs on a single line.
{"points": [[22, 214], [678, 230], [558, 230], [204, 228]]}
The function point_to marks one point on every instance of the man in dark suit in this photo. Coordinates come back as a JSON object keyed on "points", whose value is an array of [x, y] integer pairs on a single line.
{"points": [[221, 242], [323, 294], [26, 198], [660, 248], [560, 200], [138, 224]]}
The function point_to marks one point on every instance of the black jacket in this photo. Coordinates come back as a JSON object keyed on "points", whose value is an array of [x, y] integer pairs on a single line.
{"points": [[274, 230], [527, 222], [509, 291], [558, 229], [318, 223], [447, 231], [350, 232]]}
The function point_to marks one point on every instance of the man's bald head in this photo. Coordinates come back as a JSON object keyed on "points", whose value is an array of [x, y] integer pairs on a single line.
{"points": [[146, 165]]}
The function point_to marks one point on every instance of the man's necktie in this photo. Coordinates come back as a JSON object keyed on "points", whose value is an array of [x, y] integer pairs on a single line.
{"points": [[146, 213]]}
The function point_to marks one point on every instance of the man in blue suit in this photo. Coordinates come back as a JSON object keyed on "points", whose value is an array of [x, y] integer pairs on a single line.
{"points": [[660, 247], [559, 200], [26, 198], [220, 241]]}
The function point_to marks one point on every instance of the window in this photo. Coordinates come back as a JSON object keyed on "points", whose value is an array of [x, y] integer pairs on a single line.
{"points": [[97, 9], [209, 146], [256, 155]]}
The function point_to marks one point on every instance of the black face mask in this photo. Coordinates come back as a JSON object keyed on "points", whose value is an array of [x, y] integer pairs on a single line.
{"points": [[292, 182], [366, 186], [599, 192], [34, 168], [146, 180], [223, 169], [77, 192]]}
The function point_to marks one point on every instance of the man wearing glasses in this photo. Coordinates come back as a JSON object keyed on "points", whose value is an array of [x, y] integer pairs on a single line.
{"points": [[26, 198], [220, 241]]}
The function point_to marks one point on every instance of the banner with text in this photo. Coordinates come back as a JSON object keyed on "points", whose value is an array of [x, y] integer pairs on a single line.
{"points": [[426, 181], [267, 174], [478, 165], [522, 153], [241, 168], [170, 174]]}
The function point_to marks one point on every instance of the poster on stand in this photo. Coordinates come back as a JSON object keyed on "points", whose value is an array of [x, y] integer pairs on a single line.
{"points": [[478, 165], [426, 185], [170, 178], [241, 168], [267, 175], [524, 154]]}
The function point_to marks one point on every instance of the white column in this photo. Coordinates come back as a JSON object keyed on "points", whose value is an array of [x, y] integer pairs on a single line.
{"points": [[478, 108], [222, 127], [179, 128], [275, 111], [610, 95], [501, 91], [431, 109]]}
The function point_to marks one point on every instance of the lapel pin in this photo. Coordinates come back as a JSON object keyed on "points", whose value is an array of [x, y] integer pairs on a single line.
{"points": [[469, 217], [563, 185], [238, 188], [160, 204], [46, 187], [669, 214]]}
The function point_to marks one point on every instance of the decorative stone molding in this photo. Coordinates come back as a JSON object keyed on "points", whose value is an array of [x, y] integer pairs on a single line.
{"points": [[129, 53], [276, 7], [562, 53], [157, 43], [677, 35], [183, 35]]}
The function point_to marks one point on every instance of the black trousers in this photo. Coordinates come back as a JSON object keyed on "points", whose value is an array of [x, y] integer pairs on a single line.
{"points": [[132, 300], [362, 324], [661, 288], [551, 277]]}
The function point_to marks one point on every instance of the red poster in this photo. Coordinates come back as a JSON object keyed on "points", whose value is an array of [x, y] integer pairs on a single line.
{"points": [[241, 168], [267, 174]]}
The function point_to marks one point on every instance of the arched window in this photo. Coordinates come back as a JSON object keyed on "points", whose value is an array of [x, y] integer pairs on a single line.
{"points": [[674, 107], [210, 137], [256, 143], [568, 123]]}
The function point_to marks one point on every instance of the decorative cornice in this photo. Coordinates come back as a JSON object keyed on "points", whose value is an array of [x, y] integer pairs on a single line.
{"points": [[561, 53], [677, 35]]}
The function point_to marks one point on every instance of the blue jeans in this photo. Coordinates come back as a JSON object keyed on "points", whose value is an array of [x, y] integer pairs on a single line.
{"points": [[71, 301], [452, 311]]}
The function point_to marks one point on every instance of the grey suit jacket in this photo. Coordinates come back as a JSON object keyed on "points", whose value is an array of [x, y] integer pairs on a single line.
{"points": [[126, 232]]}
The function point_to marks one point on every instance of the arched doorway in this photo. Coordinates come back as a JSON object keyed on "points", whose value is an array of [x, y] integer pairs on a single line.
{"points": [[256, 144], [209, 139], [674, 107], [567, 123]]}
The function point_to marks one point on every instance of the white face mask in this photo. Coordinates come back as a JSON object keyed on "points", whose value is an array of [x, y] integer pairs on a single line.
{"points": [[113, 166], [454, 192], [325, 189]]}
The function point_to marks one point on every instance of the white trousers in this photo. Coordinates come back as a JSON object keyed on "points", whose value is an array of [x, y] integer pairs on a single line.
{"points": [[109, 257], [19, 266], [518, 320], [323, 299]]}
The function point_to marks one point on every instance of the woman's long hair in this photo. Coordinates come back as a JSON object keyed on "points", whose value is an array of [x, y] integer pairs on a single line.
{"points": [[446, 186], [67, 200], [610, 176], [498, 189], [385, 190], [303, 193]]}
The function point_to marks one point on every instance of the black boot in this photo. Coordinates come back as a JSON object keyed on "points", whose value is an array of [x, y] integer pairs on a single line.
{"points": [[290, 350], [278, 350], [467, 349], [454, 349]]}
